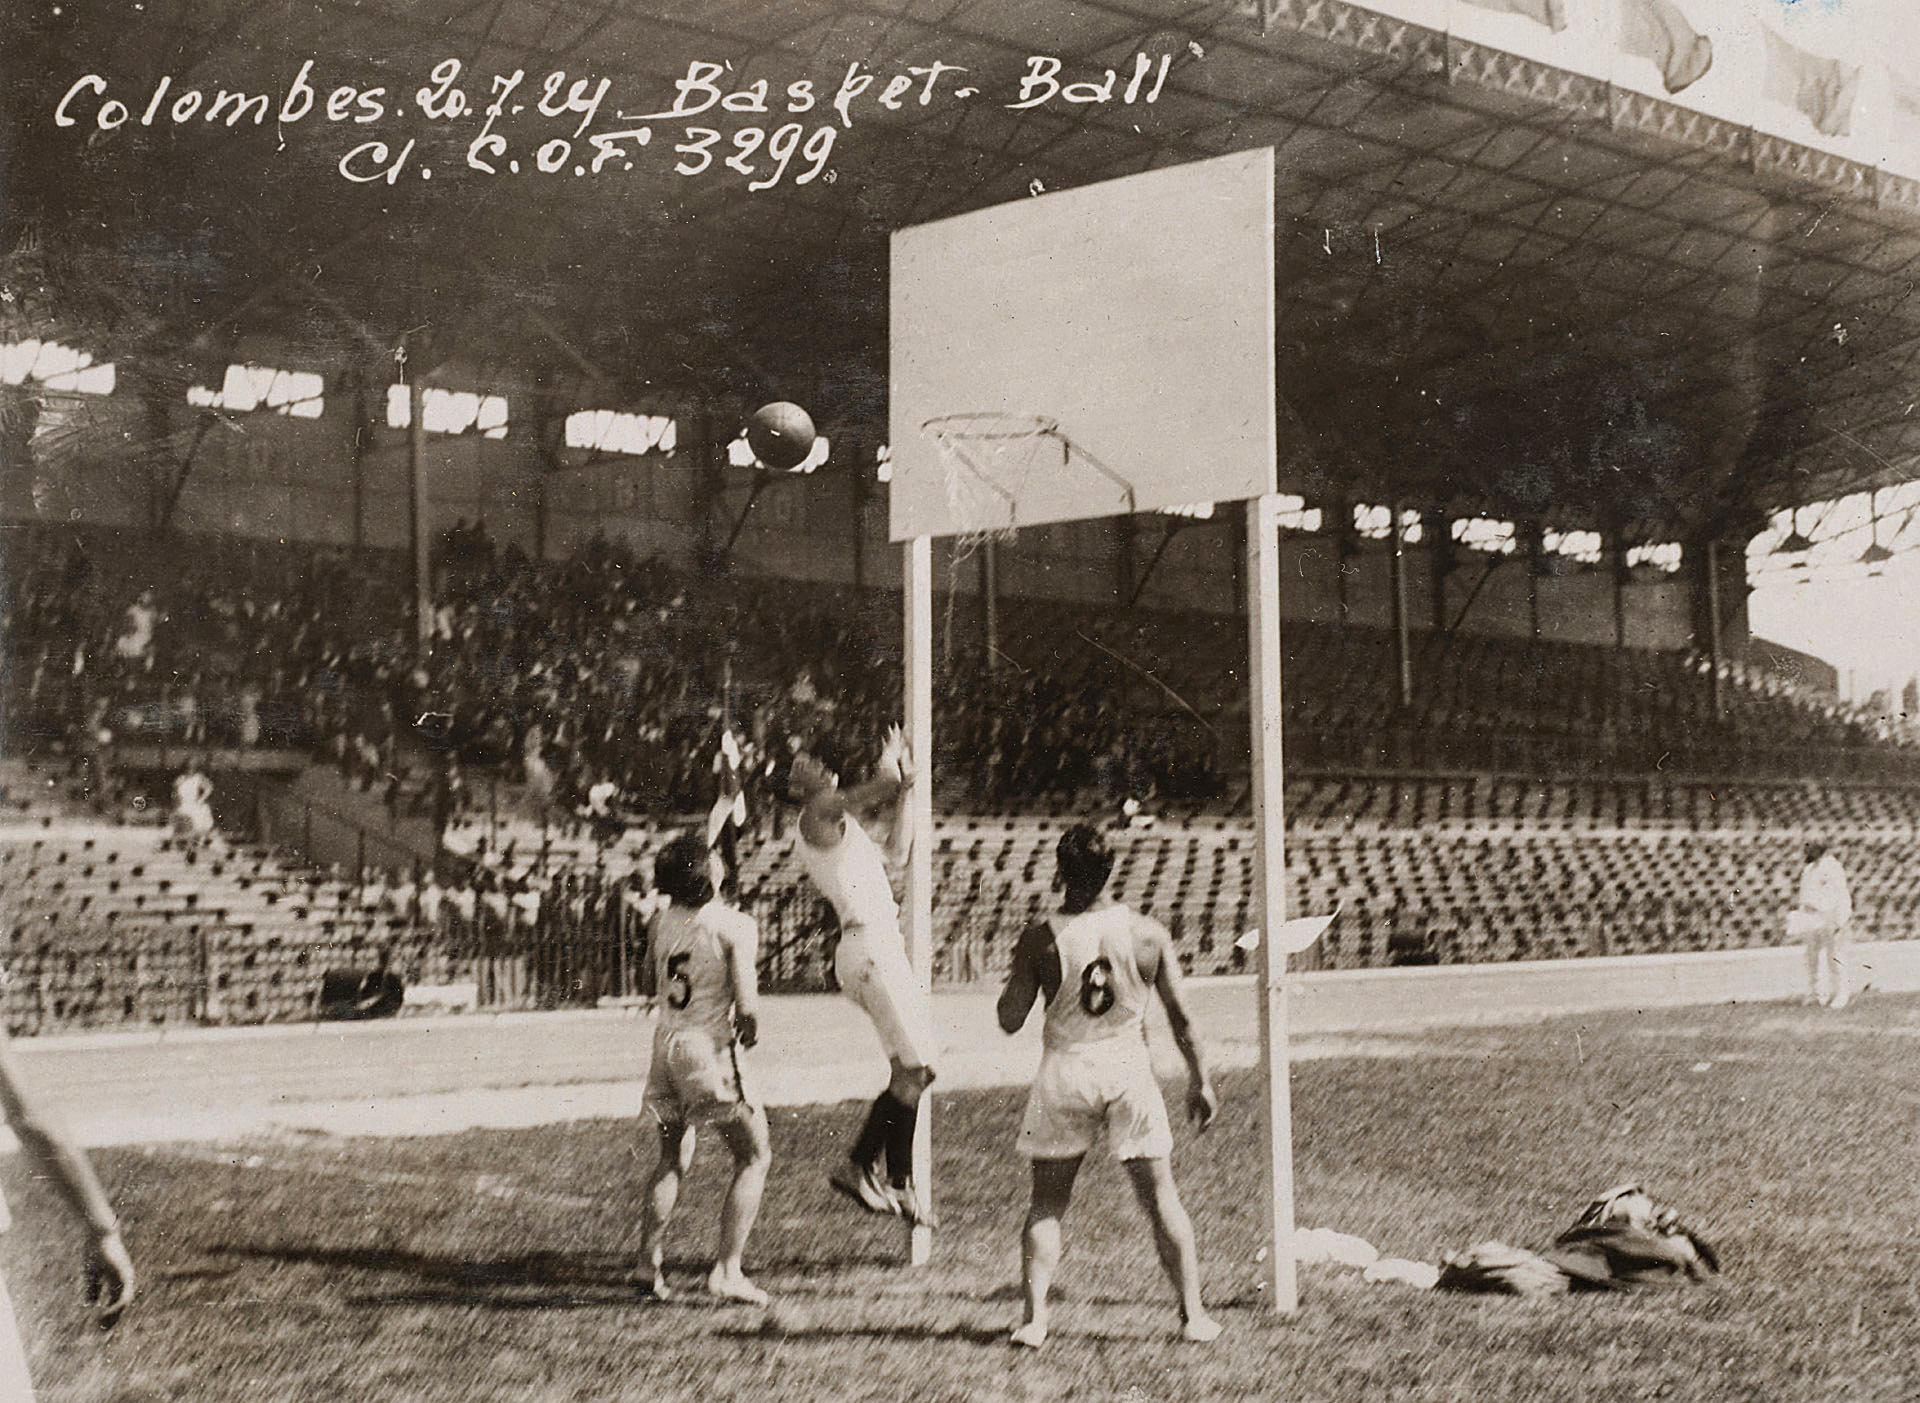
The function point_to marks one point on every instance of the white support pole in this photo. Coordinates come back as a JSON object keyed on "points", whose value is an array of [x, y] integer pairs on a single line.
{"points": [[420, 505], [919, 906], [1276, 1106]]}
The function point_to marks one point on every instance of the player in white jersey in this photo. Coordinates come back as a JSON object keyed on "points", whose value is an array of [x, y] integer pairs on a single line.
{"points": [[700, 968], [109, 1270], [1095, 965], [850, 870]]}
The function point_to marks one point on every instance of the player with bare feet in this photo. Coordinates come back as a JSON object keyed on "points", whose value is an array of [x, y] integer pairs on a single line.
{"points": [[1094, 964]]}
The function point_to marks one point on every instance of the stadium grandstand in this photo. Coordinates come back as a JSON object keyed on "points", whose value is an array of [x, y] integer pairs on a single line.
{"points": [[373, 395]]}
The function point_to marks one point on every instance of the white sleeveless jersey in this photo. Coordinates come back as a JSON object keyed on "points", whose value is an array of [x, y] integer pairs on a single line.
{"points": [[852, 875], [1102, 994], [690, 970]]}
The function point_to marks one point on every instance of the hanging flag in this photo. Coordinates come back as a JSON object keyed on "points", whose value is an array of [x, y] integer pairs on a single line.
{"points": [[1551, 13], [1659, 30], [1823, 88], [730, 804]]}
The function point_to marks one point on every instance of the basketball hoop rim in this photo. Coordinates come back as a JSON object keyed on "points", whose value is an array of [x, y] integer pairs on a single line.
{"points": [[990, 425]]}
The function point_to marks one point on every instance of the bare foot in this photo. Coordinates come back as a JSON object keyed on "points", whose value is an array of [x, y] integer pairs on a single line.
{"points": [[734, 1286], [1200, 1329], [1031, 1335]]}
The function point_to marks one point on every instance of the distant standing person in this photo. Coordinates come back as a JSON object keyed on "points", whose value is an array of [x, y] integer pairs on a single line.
{"points": [[700, 966], [193, 806], [849, 868], [55, 1157], [1094, 964], [1821, 915], [135, 641]]}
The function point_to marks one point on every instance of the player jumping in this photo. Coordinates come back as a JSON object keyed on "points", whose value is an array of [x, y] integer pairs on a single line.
{"points": [[847, 865], [1095, 964], [701, 969]]}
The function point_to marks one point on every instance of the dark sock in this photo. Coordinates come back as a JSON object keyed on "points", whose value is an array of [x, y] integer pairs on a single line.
{"points": [[900, 1144], [877, 1133]]}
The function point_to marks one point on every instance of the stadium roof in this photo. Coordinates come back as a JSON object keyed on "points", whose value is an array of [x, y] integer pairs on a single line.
{"points": [[1502, 284]]}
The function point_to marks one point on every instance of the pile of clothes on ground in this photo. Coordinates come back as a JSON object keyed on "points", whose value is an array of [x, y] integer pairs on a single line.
{"points": [[1624, 1240]]}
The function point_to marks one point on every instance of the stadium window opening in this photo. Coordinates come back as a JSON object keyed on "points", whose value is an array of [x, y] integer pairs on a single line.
{"points": [[1661, 555], [297, 394], [1485, 534], [1294, 514], [56, 367], [1583, 546], [450, 412], [610, 431], [1375, 523]]}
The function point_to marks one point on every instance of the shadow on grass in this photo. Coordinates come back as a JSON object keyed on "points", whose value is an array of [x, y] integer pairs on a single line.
{"points": [[966, 1334], [520, 1281]]}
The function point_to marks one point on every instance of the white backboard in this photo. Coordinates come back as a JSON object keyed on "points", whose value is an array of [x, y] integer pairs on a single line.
{"points": [[1086, 353]]}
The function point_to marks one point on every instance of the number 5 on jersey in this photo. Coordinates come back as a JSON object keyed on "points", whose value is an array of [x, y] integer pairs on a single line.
{"points": [[680, 988]]}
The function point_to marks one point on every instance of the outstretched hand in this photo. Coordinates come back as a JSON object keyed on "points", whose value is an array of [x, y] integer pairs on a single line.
{"points": [[1202, 1103], [896, 761], [109, 1281], [746, 1028]]}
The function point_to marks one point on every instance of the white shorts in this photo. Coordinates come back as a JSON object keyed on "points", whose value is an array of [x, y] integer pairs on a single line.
{"points": [[195, 821], [1079, 1092], [1814, 927], [691, 1079], [882, 984]]}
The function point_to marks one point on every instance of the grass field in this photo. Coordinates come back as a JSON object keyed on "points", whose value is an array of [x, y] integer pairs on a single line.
{"points": [[491, 1265]]}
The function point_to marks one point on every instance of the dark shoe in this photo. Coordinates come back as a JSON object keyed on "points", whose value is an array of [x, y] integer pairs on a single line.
{"points": [[865, 1187]]}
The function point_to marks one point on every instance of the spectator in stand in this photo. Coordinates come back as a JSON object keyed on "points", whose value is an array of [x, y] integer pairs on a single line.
{"points": [[449, 795], [135, 642]]}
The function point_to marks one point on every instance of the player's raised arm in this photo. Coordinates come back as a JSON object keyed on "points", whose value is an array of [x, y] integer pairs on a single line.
{"points": [[1158, 960], [883, 791], [896, 763], [109, 1270]]}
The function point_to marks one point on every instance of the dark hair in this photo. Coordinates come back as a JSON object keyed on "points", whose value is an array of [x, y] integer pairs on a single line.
{"points": [[1085, 859], [680, 871], [828, 754]]}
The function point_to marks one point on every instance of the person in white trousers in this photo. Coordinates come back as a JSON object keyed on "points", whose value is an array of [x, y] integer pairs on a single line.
{"points": [[1821, 915]]}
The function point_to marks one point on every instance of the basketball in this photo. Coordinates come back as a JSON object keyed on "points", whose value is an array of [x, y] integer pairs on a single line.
{"points": [[780, 434]]}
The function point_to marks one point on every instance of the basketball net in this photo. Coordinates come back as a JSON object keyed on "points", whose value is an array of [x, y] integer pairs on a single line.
{"points": [[985, 459]]}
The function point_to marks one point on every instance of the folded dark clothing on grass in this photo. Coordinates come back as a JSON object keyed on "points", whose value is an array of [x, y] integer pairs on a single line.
{"points": [[1622, 1242]]}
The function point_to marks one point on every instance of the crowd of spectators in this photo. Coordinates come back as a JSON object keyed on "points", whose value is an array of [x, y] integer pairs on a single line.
{"points": [[605, 681]]}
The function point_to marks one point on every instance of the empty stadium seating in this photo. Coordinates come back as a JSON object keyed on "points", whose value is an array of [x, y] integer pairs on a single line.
{"points": [[109, 924], [1530, 799], [106, 923]]}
